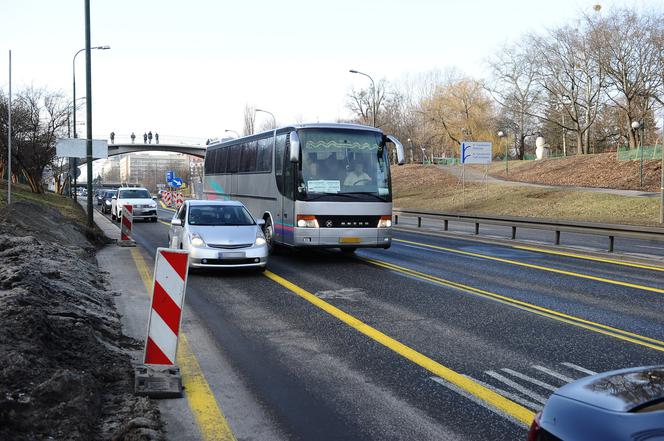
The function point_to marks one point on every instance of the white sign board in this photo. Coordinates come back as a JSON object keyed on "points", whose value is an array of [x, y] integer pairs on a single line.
{"points": [[476, 152], [322, 186], [77, 148]]}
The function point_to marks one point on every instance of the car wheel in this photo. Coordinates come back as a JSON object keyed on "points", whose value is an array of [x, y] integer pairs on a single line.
{"points": [[112, 215]]}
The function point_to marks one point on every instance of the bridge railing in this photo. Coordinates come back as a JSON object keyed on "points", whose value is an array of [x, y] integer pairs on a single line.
{"points": [[125, 138], [603, 229]]}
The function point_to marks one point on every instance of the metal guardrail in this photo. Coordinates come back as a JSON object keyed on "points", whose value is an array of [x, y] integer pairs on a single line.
{"points": [[602, 229]]}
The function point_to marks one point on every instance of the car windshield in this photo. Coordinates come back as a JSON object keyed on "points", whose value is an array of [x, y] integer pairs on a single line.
{"points": [[228, 215], [343, 163], [134, 194], [110, 194]]}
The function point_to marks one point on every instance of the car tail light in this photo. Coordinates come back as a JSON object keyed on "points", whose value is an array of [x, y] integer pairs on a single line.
{"points": [[305, 221], [385, 222], [535, 428]]}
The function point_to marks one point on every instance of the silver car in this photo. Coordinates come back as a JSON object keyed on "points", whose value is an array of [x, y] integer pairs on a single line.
{"points": [[218, 234]]}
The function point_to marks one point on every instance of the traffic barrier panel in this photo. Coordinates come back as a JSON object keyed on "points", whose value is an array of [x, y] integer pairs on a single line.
{"points": [[159, 375], [166, 196], [179, 200], [126, 223]]}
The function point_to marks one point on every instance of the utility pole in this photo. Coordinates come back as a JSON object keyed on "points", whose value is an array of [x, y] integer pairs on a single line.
{"points": [[88, 106], [9, 135]]}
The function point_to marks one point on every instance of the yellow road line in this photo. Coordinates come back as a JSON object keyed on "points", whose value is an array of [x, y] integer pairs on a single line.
{"points": [[600, 328], [585, 257], [492, 398], [210, 419], [165, 207], [165, 223], [537, 267]]}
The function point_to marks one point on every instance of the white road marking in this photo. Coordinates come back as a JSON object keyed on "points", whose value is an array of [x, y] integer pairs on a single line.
{"points": [[510, 395], [553, 373], [539, 383], [579, 368], [474, 399], [514, 385]]}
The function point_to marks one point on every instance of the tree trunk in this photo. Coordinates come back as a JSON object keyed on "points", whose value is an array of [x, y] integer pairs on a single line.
{"points": [[579, 143], [522, 146], [632, 136]]}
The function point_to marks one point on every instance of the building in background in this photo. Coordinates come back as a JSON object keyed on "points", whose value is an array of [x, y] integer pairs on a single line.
{"points": [[110, 172], [149, 170]]}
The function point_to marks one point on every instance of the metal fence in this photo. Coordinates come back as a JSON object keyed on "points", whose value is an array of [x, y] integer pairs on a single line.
{"points": [[602, 229], [649, 152]]}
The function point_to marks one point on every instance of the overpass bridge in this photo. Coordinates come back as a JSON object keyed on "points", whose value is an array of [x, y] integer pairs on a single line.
{"points": [[187, 149]]}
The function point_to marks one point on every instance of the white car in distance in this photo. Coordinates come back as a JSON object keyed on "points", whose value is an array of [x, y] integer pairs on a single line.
{"points": [[143, 206]]}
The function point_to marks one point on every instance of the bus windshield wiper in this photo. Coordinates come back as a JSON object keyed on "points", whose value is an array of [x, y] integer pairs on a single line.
{"points": [[367, 193], [320, 195]]}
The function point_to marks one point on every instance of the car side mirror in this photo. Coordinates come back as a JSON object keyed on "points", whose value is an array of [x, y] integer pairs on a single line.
{"points": [[260, 222], [176, 222]]}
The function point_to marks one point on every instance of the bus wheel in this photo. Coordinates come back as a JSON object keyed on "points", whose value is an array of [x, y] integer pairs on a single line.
{"points": [[350, 250], [268, 232]]}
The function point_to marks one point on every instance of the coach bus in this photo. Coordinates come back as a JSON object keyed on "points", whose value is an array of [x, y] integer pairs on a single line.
{"points": [[314, 185]]}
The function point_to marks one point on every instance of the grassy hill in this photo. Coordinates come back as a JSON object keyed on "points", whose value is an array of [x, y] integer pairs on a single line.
{"points": [[430, 187], [602, 170]]}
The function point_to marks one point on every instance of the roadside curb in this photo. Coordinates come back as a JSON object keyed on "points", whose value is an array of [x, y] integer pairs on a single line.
{"points": [[617, 256]]}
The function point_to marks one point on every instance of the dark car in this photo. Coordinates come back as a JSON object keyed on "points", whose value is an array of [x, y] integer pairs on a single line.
{"points": [[99, 195], [106, 200], [627, 404]]}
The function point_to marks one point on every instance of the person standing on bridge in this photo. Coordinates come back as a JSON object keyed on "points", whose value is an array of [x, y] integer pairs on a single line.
{"points": [[156, 138], [145, 138], [112, 137], [133, 137], [150, 137]]}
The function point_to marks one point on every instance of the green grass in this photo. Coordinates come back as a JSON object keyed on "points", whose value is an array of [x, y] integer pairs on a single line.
{"points": [[66, 206]]}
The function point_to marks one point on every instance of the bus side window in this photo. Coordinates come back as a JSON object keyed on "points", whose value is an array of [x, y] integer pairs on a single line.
{"points": [[288, 172], [209, 161], [264, 159], [279, 161], [234, 158], [248, 157], [222, 160]]}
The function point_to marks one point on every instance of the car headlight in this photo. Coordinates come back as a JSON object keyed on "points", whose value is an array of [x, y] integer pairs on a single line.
{"points": [[197, 240], [260, 240], [385, 222]]}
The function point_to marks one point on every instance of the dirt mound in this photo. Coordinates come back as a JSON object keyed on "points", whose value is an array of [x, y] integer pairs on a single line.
{"points": [[602, 170], [65, 370], [47, 223]]}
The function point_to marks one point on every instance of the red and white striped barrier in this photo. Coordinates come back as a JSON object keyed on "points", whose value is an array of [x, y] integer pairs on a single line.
{"points": [[126, 222], [169, 286], [179, 199], [166, 196]]}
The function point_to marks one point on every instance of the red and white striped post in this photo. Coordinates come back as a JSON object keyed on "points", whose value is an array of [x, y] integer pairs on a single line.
{"points": [[179, 200], [159, 375], [169, 286], [167, 198], [126, 223]]}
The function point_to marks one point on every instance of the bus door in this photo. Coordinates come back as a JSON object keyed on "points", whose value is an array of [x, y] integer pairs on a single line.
{"points": [[287, 198]]}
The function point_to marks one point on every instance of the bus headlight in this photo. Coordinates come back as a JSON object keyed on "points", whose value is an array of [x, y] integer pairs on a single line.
{"points": [[385, 222], [304, 221]]}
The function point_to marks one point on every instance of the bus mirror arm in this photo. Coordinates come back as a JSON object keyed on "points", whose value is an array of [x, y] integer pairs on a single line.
{"points": [[400, 154], [294, 147]]}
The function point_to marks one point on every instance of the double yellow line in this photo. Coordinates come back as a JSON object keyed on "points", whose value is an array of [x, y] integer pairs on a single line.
{"points": [[538, 267], [620, 334]]}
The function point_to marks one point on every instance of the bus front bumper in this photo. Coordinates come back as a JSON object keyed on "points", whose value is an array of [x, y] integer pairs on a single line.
{"points": [[342, 237]]}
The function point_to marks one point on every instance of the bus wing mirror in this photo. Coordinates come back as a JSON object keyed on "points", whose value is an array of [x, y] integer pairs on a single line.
{"points": [[400, 155], [294, 146]]}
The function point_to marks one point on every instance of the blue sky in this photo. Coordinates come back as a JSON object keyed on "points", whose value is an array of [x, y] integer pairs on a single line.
{"points": [[188, 68]]}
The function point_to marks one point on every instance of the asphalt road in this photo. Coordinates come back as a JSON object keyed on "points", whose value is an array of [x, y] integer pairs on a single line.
{"points": [[520, 323]]}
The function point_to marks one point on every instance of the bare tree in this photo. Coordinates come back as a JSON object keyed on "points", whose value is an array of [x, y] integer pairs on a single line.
{"points": [[361, 103], [249, 120], [631, 53], [514, 87]]}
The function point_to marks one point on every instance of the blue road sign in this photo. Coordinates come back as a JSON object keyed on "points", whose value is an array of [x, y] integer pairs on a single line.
{"points": [[170, 175], [176, 182]]}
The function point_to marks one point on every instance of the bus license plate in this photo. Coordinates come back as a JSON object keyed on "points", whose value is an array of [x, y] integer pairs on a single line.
{"points": [[349, 240], [236, 255]]}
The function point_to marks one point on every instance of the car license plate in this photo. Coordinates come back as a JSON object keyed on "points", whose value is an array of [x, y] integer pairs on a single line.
{"points": [[235, 255], [349, 240]]}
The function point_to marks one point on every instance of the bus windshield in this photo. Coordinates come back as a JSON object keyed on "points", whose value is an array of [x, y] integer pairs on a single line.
{"points": [[341, 163]]}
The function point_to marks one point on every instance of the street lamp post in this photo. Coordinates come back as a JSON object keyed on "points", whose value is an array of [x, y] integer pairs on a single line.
{"points": [[274, 120], [373, 92], [636, 125], [502, 134], [73, 63]]}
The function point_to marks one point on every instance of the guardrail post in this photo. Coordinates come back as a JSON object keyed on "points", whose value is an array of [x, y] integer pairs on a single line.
{"points": [[445, 225], [396, 219], [611, 239], [513, 232], [477, 228], [419, 221], [557, 237]]}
